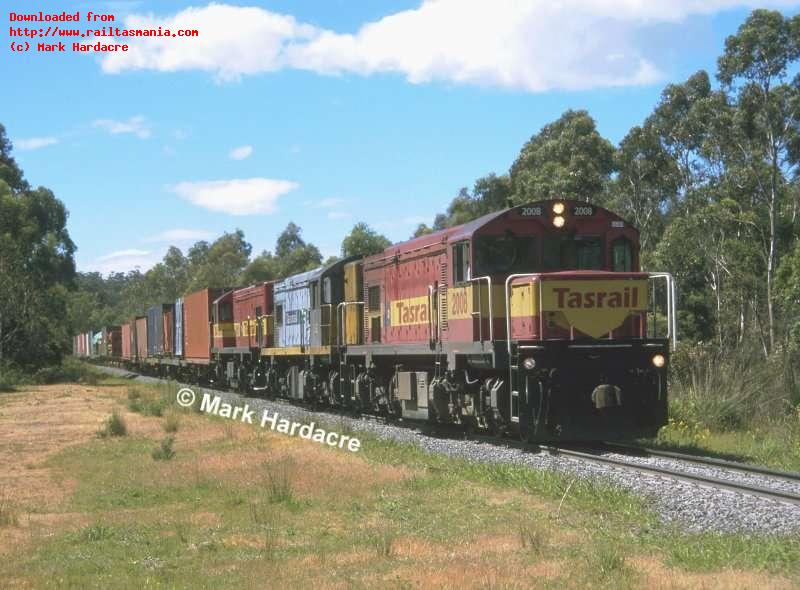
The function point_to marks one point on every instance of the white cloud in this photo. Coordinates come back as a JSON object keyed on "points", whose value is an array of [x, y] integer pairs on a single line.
{"points": [[137, 126], [34, 143], [123, 254], [179, 235], [533, 46], [338, 215], [245, 196], [241, 152], [123, 261]]}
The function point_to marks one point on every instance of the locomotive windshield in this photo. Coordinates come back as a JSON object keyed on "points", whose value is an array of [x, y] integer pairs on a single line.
{"points": [[506, 254], [573, 252]]}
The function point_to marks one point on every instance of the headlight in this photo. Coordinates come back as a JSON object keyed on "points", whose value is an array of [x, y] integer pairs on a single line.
{"points": [[529, 363], [659, 361], [558, 221], [558, 208]]}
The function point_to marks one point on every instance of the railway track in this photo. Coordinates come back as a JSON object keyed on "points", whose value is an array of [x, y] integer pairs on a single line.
{"points": [[601, 456], [628, 457]]}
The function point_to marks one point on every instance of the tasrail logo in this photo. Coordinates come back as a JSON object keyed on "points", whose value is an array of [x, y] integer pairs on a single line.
{"points": [[593, 307], [410, 312], [627, 298]]}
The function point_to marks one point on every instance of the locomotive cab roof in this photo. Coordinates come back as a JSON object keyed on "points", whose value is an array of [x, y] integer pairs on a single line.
{"points": [[577, 215]]}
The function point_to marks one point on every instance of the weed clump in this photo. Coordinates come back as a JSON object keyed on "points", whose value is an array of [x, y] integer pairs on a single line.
{"points": [[279, 482], [113, 426], [164, 452]]}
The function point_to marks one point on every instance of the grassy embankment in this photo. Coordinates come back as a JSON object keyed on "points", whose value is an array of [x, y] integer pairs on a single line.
{"points": [[172, 498], [735, 405]]}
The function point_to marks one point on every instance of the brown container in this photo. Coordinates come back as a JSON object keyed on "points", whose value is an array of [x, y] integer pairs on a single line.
{"points": [[112, 342], [197, 325], [169, 332], [127, 339], [251, 308], [141, 337]]}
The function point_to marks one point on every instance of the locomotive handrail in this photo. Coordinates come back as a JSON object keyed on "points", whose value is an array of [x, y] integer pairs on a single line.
{"points": [[431, 305], [488, 280], [508, 300], [672, 321]]}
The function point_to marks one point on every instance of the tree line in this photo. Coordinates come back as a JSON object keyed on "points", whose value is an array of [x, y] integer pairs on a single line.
{"points": [[710, 178]]}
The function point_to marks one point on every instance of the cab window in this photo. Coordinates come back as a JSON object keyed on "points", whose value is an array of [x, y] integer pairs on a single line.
{"points": [[461, 271], [622, 255], [507, 254], [573, 252]]}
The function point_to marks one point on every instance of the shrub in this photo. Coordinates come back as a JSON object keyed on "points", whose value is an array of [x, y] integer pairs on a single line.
{"points": [[114, 426], [164, 452], [155, 407], [12, 376], [728, 390], [70, 370]]}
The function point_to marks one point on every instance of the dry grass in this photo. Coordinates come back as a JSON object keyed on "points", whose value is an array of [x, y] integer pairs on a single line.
{"points": [[237, 506]]}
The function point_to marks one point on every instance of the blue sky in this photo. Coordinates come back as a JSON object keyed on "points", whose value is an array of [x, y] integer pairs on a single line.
{"points": [[326, 113]]}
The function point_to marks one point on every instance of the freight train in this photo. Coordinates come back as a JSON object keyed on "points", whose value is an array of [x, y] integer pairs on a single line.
{"points": [[533, 322]]}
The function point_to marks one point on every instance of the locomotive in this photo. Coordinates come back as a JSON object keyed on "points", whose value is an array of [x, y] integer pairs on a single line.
{"points": [[533, 322]]}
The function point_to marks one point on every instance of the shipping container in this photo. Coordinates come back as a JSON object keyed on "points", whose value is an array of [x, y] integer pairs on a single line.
{"points": [[96, 343], [141, 337], [169, 331], [127, 341], [112, 344], [197, 325], [155, 328], [179, 322]]}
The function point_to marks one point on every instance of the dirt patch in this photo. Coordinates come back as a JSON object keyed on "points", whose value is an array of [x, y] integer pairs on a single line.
{"points": [[35, 425], [656, 575], [312, 471]]}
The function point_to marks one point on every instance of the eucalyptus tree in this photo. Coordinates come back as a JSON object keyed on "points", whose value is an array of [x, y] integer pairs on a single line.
{"points": [[363, 241], [567, 159], [766, 143]]}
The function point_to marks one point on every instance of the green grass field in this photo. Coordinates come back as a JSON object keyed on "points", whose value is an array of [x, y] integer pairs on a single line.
{"points": [[236, 506]]}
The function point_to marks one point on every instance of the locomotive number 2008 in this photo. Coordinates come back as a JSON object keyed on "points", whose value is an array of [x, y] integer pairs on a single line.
{"points": [[531, 212], [459, 303], [583, 211]]}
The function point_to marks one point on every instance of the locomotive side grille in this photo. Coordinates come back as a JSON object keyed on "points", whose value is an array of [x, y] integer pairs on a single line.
{"points": [[365, 299], [443, 294]]}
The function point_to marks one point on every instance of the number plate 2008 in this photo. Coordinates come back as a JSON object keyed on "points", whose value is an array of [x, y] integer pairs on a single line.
{"points": [[531, 211], [583, 211]]}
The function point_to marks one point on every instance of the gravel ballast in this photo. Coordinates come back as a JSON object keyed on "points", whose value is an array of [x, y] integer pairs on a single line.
{"points": [[692, 507]]}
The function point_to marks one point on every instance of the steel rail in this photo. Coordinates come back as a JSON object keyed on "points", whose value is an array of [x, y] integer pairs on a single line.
{"points": [[709, 461], [707, 481]]}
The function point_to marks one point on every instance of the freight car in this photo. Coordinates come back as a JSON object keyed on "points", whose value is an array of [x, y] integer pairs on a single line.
{"points": [[533, 322]]}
